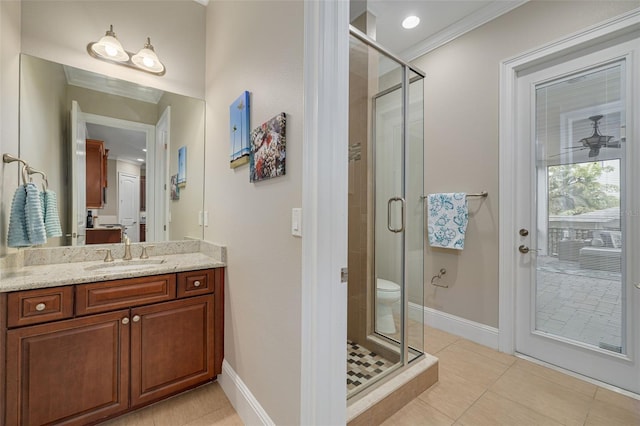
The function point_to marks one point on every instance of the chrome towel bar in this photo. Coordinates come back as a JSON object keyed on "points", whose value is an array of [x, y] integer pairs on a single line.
{"points": [[483, 194]]}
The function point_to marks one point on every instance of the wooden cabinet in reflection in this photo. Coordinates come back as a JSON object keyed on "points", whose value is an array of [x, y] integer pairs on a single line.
{"points": [[96, 176], [104, 235]]}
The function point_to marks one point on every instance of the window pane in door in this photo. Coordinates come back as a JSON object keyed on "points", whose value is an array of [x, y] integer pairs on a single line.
{"points": [[580, 148]]}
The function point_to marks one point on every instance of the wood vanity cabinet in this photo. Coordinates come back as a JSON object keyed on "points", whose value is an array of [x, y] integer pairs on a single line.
{"points": [[96, 162], [128, 343]]}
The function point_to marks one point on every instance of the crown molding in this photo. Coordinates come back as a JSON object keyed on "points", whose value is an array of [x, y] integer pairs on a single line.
{"points": [[112, 86], [463, 26]]}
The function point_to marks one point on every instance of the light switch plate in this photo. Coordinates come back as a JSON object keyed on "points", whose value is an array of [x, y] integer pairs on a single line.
{"points": [[296, 222]]}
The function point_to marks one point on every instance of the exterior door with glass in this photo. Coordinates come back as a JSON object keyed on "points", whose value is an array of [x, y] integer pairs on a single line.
{"points": [[576, 303]]}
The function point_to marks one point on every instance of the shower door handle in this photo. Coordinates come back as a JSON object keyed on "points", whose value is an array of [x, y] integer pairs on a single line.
{"points": [[402, 205]]}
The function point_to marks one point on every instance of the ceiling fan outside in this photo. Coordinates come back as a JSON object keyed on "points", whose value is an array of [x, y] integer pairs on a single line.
{"points": [[596, 141]]}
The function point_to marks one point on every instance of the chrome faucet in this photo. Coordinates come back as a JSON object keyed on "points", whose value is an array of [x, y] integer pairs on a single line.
{"points": [[127, 248]]}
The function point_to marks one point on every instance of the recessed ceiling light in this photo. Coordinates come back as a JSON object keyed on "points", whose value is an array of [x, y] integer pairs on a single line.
{"points": [[410, 22], [141, 159], [144, 149]]}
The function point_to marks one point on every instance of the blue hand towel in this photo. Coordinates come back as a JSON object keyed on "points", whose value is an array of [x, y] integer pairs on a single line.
{"points": [[33, 216], [447, 217], [17, 234], [51, 217]]}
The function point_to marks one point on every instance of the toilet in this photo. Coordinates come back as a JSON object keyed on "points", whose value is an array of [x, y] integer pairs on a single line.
{"points": [[387, 294]]}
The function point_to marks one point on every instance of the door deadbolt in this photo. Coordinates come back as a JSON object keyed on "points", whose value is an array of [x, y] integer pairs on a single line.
{"points": [[524, 232]]}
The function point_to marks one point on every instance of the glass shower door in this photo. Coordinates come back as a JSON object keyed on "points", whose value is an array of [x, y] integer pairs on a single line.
{"points": [[385, 253]]}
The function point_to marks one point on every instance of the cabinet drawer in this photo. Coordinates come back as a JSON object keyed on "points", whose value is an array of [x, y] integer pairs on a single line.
{"points": [[110, 295], [194, 283], [37, 306]]}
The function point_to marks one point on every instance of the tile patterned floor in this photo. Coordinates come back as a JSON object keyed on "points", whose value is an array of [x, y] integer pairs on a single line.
{"points": [[478, 386], [363, 366]]}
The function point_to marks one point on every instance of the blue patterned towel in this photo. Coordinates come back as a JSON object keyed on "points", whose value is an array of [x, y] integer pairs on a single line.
{"points": [[447, 217]]}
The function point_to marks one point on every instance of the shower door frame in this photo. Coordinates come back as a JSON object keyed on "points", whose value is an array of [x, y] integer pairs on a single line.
{"points": [[406, 80], [373, 277]]}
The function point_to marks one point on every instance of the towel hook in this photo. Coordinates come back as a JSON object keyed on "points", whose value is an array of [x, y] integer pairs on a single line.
{"points": [[8, 158], [436, 278], [25, 174], [45, 183]]}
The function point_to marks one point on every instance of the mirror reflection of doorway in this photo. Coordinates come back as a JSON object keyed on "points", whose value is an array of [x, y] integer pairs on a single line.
{"points": [[128, 148], [129, 205]]}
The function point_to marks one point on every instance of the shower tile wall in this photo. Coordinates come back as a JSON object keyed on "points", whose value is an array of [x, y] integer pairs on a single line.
{"points": [[360, 249]]}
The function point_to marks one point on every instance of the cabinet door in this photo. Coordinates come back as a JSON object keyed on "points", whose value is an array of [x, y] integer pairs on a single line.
{"points": [[95, 179], [69, 372], [172, 347]]}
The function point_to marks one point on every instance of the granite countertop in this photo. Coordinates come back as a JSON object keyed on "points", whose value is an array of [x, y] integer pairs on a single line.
{"points": [[59, 267]]}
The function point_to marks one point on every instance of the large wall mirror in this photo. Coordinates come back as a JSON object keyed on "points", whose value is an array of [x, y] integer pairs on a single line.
{"points": [[109, 149]]}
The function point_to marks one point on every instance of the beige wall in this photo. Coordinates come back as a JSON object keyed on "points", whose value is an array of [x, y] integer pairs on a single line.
{"points": [[9, 88], [186, 129], [43, 89], [114, 106], [60, 31], [258, 46], [110, 208], [461, 148]]}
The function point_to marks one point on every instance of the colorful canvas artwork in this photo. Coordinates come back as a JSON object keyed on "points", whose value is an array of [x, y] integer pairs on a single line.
{"points": [[175, 189], [239, 130], [182, 165], [268, 152]]}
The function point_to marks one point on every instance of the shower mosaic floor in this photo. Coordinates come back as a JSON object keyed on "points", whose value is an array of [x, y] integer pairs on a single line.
{"points": [[363, 365]]}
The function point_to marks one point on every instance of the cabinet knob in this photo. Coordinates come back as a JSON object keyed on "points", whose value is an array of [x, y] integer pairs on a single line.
{"points": [[136, 318], [196, 283], [125, 320], [40, 307]]}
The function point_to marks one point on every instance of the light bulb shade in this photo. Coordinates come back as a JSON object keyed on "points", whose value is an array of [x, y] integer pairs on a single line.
{"points": [[147, 59], [110, 48]]}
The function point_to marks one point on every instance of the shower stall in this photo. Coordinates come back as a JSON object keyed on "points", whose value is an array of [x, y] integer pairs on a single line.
{"points": [[385, 330]]}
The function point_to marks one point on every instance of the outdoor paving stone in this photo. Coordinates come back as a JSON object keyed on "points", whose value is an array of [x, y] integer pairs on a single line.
{"points": [[579, 304]]}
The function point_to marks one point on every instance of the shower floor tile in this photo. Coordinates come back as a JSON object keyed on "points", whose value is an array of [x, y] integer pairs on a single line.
{"points": [[363, 365]]}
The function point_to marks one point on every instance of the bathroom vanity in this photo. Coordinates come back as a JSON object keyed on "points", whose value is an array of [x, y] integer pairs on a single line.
{"points": [[80, 353]]}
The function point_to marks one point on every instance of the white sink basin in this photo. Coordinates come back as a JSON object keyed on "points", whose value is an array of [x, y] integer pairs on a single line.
{"points": [[125, 265]]}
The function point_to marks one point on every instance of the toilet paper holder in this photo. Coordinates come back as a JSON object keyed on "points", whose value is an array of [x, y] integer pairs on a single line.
{"points": [[436, 278]]}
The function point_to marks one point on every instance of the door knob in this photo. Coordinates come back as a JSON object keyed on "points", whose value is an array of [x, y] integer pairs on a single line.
{"points": [[524, 249]]}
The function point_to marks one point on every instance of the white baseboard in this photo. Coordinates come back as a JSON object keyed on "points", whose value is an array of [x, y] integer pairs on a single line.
{"points": [[416, 312], [243, 401], [470, 330]]}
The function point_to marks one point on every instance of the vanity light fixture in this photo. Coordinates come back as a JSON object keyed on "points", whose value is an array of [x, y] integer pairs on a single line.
{"points": [[410, 22], [109, 49], [147, 59]]}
